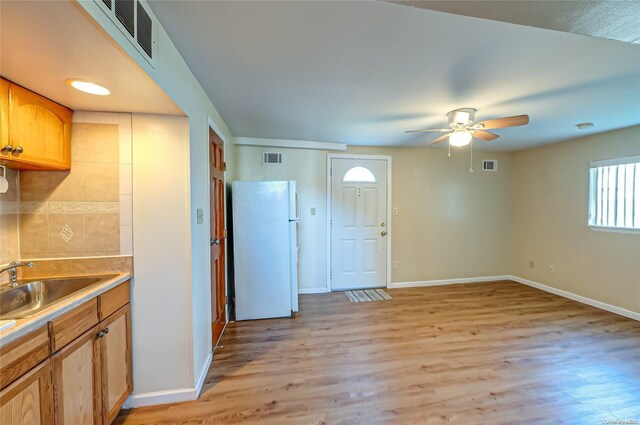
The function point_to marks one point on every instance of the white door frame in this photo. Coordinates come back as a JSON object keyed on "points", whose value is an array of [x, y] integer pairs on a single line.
{"points": [[386, 158]]}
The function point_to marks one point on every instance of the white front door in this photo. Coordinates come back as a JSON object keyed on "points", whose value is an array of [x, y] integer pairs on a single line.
{"points": [[358, 223]]}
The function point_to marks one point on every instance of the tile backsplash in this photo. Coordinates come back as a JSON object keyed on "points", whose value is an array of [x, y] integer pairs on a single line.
{"points": [[77, 213], [9, 241]]}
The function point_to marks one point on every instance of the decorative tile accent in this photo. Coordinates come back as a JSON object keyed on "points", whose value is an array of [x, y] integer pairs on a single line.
{"points": [[66, 233], [83, 207], [9, 207], [62, 207], [33, 207]]}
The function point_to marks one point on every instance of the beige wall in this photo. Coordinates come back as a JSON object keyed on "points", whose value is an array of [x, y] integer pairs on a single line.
{"points": [[451, 224], [550, 201]]}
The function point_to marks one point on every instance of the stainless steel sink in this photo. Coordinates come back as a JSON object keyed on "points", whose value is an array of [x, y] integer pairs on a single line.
{"points": [[31, 297]]}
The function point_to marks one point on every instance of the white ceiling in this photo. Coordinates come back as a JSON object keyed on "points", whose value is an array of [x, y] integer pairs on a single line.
{"points": [[43, 43], [363, 72], [615, 20]]}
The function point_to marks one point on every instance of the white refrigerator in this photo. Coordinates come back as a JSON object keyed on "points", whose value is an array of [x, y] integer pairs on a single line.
{"points": [[266, 244]]}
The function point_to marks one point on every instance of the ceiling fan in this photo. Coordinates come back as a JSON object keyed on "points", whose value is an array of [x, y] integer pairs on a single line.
{"points": [[462, 127]]}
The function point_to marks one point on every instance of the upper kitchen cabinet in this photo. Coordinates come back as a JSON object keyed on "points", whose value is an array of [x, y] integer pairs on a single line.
{"points": [[36, 132]]}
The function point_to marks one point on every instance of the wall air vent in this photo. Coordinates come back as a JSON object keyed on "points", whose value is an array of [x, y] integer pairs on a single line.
{"points": [[134, 19], [490, 165], [271, 158]]}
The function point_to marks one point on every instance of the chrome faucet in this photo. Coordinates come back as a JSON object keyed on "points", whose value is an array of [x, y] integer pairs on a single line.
{"points": [[13, 273]]}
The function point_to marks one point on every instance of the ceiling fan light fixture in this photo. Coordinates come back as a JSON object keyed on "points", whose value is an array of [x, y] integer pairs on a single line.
{"points": [[460, 138]]}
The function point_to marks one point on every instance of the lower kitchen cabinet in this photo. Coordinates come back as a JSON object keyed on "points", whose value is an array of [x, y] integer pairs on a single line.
{"points": [[76, 381], [115, 363], [87, 378], [28, 400], [92, 376]]}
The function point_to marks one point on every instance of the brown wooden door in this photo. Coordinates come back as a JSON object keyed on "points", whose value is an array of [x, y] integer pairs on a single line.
{"points": [[115, 358], [76, 381], [28, 400], [218, 236]]}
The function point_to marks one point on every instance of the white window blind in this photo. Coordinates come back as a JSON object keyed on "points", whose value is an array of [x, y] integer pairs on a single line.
{"points": [[614, 199]]}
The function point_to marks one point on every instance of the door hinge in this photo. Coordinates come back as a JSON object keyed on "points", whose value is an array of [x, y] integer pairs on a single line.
{"points": [[331, 171], [330, 275], [224, 166]]}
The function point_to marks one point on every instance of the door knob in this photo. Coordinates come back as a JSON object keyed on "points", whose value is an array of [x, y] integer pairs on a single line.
{"points": [[383, 233]]}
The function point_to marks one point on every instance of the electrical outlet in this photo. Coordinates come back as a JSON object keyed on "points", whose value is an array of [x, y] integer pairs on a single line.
{"points": [[552, 268], [313, 210], [200, 216], [395, 210], [394, 264]]}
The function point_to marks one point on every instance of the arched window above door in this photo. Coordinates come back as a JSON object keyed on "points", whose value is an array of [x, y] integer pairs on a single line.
{"points": [[358, 175]]}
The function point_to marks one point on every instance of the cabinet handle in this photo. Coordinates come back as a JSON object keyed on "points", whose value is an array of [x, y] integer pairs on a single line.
{"points": [[18, 150], [7, 148], [101, 334]]}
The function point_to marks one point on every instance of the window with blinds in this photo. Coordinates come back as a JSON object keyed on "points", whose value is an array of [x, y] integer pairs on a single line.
{"points": [[614, 193]]}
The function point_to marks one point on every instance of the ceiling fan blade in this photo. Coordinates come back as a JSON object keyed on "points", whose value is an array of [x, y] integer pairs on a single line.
{"points": [[503, 122], [485, 135], [425, 131], [440, 139]]}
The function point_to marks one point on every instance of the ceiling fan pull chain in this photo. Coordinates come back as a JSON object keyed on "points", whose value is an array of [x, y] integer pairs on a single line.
{"points": [[471, 165], [449, 149]]}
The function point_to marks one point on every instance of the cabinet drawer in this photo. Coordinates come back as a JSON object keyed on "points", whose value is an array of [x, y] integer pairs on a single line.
{"points": [[22, 354], [72, 324], [114, 299]]}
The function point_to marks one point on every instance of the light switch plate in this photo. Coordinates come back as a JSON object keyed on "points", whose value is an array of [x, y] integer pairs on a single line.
{"points": [[313, 210], [395, 210], [200, 216]]}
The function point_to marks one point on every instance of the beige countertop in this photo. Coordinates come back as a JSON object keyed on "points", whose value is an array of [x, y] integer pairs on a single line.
{"points": [[26, 325]]}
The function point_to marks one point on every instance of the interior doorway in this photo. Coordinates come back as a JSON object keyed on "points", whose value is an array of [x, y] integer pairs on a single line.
{"points": [[358, 221], [218, 236]]}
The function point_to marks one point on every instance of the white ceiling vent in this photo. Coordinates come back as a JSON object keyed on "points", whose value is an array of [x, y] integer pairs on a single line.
{"points": [[133, 18], [490, 165], [271, 158]]}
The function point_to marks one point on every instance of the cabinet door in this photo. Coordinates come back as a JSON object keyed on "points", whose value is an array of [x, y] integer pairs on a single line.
{"points": [[41, 129], [115, 351], [4, 117], [28, 401], [76, 381]]}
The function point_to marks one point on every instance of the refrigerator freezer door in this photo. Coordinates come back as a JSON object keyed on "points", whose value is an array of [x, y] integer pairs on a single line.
{"points": [[294, 230], [262, 249]]}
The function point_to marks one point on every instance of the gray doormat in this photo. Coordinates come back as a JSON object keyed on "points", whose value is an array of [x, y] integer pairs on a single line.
{"points": [[367, 295]]}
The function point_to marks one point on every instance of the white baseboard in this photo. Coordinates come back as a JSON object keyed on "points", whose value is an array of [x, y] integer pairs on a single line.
{"points": [[203, 373], [170, 396], [579, 298], [322, 290], [160, 397], [395, 285]]}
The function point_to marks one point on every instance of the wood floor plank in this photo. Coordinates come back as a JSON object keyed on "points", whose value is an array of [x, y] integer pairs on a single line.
{"points": [[490, 353]]}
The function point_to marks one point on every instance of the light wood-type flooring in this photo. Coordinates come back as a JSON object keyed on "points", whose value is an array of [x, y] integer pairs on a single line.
{"points": [[490, 353]]}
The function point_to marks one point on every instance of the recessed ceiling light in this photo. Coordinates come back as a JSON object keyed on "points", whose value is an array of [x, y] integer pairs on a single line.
{"points": [[88, 87], [584, 125]]}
